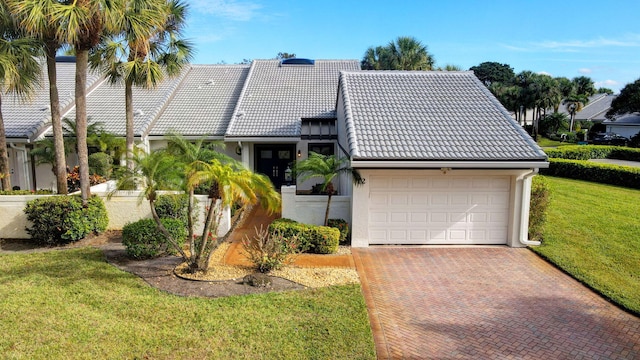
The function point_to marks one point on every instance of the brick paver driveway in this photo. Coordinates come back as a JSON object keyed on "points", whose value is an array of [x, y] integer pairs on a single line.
{"points": [[486, 302]]}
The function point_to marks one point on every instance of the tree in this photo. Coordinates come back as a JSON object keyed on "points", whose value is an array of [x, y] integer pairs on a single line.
{"points": [[574, 103], [491, 72], [82, 23], [583, 85], [627, 102], [450, 67], [19, 74], [36, 19], [147, 46], [285, 55], [326, 167], [229, 183], [405, 53], [604, 90]]}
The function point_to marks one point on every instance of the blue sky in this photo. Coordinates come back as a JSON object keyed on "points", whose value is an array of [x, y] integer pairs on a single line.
{"points": [[599, 39]]}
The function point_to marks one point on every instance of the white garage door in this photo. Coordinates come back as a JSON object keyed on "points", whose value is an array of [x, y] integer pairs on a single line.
{"points": [[438, 209]]}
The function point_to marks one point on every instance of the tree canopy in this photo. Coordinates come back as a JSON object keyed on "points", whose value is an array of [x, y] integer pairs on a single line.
{"points": [[627, 102], [490, 71], [404, 53]]}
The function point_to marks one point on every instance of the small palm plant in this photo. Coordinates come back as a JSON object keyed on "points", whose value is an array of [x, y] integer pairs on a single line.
{"points": [[326, 167]]}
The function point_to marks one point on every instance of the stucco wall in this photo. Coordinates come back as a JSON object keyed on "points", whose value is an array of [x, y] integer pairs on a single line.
{"points": [[122, 208], [310, 209]]}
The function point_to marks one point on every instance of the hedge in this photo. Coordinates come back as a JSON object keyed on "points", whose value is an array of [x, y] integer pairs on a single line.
{"points": [[143, 240], [540, 193], [312, 238], [586, 152], [58, 220], [626, 176]]}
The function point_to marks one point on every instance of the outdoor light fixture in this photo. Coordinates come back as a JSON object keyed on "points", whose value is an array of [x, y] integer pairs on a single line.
{"points": [[299, 153]]}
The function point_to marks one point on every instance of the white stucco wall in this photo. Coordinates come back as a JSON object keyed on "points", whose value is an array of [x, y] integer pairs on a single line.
{"points": [[122, 208], [310, 209]]}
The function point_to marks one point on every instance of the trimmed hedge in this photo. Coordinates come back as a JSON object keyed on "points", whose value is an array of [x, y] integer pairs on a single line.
{"points": [[101, 164], [27, 192], [311, 238], [143, 240], [540, 193], [626, 176], [586, 152], [59, 220]]}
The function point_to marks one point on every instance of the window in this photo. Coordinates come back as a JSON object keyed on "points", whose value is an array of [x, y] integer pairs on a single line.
{"points": [[323, 149]]}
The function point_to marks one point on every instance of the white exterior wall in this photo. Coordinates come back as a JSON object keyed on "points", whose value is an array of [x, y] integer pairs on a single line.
{"points": [[518, 204], [310, 209], [122, 208]]}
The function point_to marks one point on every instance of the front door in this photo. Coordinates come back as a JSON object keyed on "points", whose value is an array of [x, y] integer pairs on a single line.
{"points": [[273, 160]]}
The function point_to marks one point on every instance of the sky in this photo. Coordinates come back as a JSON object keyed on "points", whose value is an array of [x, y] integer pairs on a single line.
{"points": [[598, 39]]}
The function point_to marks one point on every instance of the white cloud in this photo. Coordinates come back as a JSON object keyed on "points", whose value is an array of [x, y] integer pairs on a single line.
{"points": [[607, 83], [585, 71], [629, 40], [228, 9]]}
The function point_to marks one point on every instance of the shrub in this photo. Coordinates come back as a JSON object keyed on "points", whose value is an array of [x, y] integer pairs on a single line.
{"points": [[100, 164], [343, 226], [596, 172], [311, 238], [73, 180], [143, 240], [634, 142], [269, 250], [538, 207], [58, 220], [173, 206], [594, 152]]}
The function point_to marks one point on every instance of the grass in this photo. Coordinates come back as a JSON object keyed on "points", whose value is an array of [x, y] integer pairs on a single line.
{"points": [[593, 233], [72, 304], [546, 142]]}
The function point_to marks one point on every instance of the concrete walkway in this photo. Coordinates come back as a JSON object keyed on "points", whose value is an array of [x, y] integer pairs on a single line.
{"points": [[486, 303]]}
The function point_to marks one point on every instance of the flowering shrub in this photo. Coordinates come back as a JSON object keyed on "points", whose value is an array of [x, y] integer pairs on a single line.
{"points": [[73, 179], [269, 251], [341, 225]]}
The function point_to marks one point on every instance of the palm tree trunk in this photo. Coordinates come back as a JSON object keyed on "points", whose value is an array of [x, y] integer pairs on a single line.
{"points": [[128, 101], [237, 221], [326, 213], [82, 57], [4, 157], [190, 220], [60, 164]]}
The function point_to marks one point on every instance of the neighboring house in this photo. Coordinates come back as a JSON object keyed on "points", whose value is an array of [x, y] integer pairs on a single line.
{"points": [[595, 110], [627, 125], [444, 162]]}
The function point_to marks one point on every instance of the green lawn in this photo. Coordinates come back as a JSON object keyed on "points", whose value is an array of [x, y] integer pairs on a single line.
{"points": [[546, 142], [593, 233], [72, 304]]}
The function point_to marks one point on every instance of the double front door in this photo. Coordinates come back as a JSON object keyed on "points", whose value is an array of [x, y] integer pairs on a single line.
{"points": [[273, 161]]}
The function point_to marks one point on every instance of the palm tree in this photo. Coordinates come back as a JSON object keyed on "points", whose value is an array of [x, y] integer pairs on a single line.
{"points": [[80, 24], [19, 73], [574, 103], [405, 53], [231, 183], [36, 19], [326, 167], [147, 47], [194, 155]]}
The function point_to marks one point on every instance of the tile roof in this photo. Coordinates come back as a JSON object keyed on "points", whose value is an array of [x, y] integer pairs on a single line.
{"points": [[27, 119], [276, 97], [596, 108], [426, 115], [106, 104], [204, 101]]}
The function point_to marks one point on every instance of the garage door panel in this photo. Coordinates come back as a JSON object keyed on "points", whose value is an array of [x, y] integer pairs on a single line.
{"points": [[439, 209]]}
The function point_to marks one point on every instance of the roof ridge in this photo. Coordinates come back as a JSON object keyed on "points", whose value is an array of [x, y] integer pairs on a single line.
{"points": [[232, 121], [348, 116]]}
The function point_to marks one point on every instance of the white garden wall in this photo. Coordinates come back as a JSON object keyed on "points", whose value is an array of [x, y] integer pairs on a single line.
{"points": [[310, 209], [122, 207]]}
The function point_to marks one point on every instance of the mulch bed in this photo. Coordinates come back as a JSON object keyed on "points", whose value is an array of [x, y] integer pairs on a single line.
{"points": [[156, 272]]}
